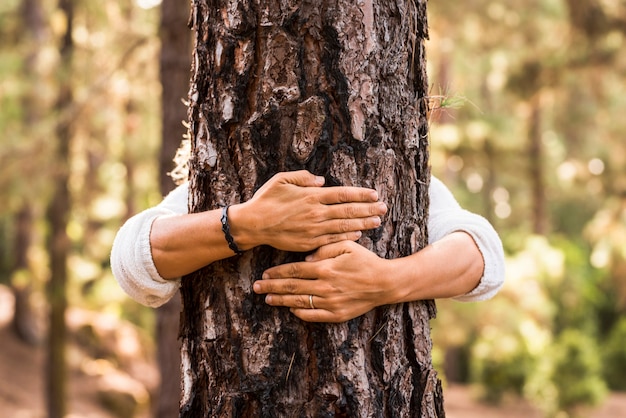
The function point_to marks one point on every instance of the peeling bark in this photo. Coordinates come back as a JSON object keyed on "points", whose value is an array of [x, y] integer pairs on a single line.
{"points": [[338, 88]]}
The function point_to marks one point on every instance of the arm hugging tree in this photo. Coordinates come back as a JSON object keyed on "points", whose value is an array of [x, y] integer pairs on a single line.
{"points": [[337, 88]]}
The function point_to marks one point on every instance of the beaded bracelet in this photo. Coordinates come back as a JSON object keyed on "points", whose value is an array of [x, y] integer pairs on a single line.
{"points": [[226, 229]]}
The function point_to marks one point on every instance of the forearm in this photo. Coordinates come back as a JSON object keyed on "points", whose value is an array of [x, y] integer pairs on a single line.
{"points": [[182, 244], [291, 212], [450, 267]]}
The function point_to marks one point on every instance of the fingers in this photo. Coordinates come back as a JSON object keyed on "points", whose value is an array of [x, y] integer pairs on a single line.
{"points": [[301, 178], [344, 194], [342, 225], [327, 195], [356, 210], [316, 315], [337, 220], [294, 301], [337, 230], [330, 251], [300, 306]]}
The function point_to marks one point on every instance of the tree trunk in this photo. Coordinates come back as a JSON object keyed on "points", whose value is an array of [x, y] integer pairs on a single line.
{"points": [[175, 62], [58, 241], [338, 88], [535, 158], [25, 322]]}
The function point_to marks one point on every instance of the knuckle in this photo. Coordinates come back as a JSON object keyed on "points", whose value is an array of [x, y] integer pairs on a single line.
{"points": [[324, 272], [350, 211], [374, 209], [341, 195], [329, 239], [316, 213], [303, 246], [302, 301], [294, 270], [311, 198], [291, 287]]}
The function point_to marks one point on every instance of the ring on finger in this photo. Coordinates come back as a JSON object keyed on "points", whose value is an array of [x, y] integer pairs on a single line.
{"points": [[311, 302]]}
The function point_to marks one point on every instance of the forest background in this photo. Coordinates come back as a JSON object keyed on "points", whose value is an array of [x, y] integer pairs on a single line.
{"points": [[527, 129]]}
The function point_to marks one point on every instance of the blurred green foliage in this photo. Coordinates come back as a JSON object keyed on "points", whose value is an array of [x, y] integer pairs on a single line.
{"points": [[527, 129], [614, 356], [115, 120], [539, 151]]}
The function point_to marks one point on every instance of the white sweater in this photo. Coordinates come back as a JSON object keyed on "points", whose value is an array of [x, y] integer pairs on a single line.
{"points": [[133, 267]]}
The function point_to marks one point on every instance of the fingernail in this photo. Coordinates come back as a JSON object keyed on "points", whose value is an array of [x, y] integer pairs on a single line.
{"points": [[358, 234], [256, 287], [265, 276], [319, 180], [377, 221], [382, 206], [308, 258]]}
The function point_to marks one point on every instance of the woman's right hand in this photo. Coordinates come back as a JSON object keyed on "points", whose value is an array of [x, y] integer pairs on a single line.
{"points": [[293, 212]]}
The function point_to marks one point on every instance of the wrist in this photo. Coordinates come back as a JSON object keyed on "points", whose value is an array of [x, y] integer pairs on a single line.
{"points": [[400, 280], [226, 231], [242, 227], [386, 278]]}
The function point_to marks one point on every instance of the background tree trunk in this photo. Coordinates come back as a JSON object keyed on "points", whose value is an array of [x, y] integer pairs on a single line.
{"points": [[58, 242], [338, 88], [25, 322], [535, 158], [175, 62]]}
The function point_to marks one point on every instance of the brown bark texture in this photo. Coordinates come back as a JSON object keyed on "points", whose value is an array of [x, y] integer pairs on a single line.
{"points": [[338, 88]]}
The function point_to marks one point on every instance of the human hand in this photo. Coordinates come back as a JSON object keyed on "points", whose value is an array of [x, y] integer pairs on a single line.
{"points": [[344, 279], [292, 212]]}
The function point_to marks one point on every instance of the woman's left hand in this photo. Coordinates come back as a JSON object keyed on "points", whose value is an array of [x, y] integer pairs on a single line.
{"points": [[336, 283]]}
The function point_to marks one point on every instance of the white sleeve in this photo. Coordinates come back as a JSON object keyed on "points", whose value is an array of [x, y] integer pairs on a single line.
{"points": [[447, 216], [131, 255]]}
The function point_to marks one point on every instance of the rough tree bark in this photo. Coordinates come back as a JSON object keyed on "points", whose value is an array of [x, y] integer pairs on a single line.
{"points": [[338, 88]]}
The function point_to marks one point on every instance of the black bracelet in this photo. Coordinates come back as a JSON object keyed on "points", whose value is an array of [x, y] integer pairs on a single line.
{"points": [[226, 229]]}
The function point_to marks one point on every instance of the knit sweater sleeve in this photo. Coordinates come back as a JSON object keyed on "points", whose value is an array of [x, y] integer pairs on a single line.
{"points": [[131, 254], [447, 216]]}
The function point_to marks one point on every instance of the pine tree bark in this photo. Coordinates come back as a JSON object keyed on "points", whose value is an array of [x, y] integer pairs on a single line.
{"points": [[338, 88]]}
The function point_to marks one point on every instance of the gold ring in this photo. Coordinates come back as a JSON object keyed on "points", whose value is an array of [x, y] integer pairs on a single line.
{"points": [[311, 301]]}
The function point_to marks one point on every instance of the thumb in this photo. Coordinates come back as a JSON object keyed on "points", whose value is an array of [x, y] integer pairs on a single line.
{"points": [[303, 178]]}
